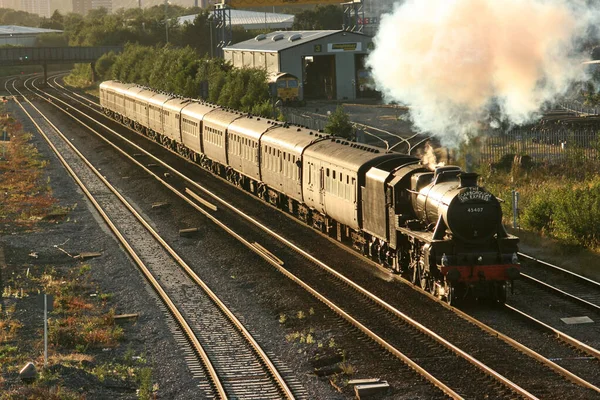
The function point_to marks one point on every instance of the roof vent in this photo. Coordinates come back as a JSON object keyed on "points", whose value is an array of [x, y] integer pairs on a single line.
{"points": [[260, 37], [294, 37], [277, 37]]}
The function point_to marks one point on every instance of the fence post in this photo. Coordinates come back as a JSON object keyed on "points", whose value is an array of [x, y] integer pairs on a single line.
{"points": [[515, 198]]}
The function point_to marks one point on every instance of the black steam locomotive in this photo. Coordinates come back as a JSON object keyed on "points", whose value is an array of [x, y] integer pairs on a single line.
{"points": [[438, 226]]}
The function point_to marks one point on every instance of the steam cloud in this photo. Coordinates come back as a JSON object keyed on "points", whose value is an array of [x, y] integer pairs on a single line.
{"points": [[452, 61]]}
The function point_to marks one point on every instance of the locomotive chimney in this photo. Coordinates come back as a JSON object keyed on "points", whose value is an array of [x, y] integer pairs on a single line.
{"points": [[468, 179]]}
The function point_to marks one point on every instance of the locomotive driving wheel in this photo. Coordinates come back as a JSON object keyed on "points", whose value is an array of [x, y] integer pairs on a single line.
{"points": [[450, 291]]}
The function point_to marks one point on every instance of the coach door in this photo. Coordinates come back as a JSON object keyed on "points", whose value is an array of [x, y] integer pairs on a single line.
{"points": [[322, 187]]}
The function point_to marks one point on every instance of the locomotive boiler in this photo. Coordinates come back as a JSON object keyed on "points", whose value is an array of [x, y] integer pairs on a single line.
{"points": [[438, 227]]}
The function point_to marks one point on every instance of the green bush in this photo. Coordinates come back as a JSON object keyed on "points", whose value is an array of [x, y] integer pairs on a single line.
{"points": [[339, 124], [577, 215], [537, 215], [104, 66]]}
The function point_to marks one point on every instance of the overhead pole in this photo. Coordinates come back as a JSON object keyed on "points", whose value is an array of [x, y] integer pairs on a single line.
{"points": [[222, 18], [354, 16], [166, 21]]}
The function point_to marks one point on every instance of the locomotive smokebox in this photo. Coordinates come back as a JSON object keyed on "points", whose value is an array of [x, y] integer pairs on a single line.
{"points": [[454, 203]]}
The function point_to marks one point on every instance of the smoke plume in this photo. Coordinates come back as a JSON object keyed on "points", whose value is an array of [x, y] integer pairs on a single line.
{"points": [[456, 61]]}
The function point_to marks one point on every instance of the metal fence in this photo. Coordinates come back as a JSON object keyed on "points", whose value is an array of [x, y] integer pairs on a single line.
{"points": [[554, 144], [549, 145], [318, 122], [311, 121], [578, 107]]}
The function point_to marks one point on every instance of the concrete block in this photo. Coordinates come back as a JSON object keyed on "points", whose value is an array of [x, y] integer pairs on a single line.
{"points": [[28, 373], [370, 389]]}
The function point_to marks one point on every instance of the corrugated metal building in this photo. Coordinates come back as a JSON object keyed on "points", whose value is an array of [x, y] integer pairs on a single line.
{"points": [[251, 20], [329, 64], [21, 35]]}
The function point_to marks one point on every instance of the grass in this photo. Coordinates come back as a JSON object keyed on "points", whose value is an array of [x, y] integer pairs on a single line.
{"points": [[82, 321], [79, 326], [25, 195]]}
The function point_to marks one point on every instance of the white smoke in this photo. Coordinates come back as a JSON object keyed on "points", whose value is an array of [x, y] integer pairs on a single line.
{"points": [[452, 61]]}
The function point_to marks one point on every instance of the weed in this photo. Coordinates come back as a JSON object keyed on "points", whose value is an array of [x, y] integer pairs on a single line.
{"points": [[282, 318], [331, 343], [128, 356], [301, 315], [7, 351], [347, 368], [27, 198], [311, 311], [8, 329], [105, 297], [292, 337], [146, 389], [310, 339], [73, 359], [85, 269]]}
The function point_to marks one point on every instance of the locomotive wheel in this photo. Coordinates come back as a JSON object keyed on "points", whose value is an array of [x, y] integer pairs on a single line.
{"points": [[415, 275], [451, 295], [432, 287]]}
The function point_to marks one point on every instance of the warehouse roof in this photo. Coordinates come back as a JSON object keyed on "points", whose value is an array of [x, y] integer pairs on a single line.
{"points": [[281, 40], [252, 19], [8, 30]]}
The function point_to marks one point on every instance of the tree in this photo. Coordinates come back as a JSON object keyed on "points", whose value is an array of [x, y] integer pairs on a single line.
{"points": [[339, 124], [104, 66]]}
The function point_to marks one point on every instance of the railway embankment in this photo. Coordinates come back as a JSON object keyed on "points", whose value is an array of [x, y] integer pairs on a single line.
{"points": [[106, 337]]}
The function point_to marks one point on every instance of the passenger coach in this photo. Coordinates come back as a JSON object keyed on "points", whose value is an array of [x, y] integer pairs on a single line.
{"points": [[439, 226]]}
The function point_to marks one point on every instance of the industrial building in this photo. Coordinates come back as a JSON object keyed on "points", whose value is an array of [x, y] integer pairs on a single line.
{"points": [[328, 64], [21, 35], [251, 20]]}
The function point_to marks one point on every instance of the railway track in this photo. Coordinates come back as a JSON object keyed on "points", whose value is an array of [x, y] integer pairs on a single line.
{"points": [[214, 333], [561, 281], [379, 326]]}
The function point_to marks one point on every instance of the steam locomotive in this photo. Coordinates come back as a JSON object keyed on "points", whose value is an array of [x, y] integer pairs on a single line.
{"points": [[439, 227]]}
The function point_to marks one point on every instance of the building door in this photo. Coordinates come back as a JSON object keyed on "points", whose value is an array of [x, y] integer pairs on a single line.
{"points": [[365, 86], [319, 77]]}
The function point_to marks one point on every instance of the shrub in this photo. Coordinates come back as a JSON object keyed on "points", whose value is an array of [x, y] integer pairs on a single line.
{"points": [[577, 215], [339, 124], [538, 214]]}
